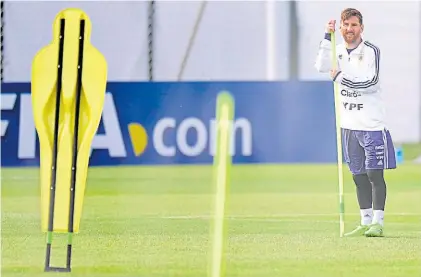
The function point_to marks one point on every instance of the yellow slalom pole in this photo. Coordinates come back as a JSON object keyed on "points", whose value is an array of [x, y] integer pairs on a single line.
{"points": [[222, 169]]}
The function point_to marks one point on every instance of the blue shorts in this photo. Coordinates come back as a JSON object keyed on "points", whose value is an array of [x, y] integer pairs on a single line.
{"points": [[368, 150]]}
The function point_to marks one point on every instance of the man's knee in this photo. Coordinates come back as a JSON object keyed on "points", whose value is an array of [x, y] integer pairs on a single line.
{"points": [[376, 176], [361, 179]]}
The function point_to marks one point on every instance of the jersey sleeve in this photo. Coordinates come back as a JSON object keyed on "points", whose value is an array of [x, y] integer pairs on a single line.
{"points": [[323, 62], [365, 82]]}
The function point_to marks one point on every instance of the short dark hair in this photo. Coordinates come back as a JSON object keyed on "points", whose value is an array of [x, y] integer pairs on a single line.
{"points": [[350, 12]]}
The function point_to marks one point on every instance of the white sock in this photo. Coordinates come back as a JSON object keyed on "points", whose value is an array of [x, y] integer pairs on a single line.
{"points": [[378, 217], [366, 216]]}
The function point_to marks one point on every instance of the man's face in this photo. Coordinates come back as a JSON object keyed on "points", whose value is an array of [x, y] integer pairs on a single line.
{"points": [[351, 29]]}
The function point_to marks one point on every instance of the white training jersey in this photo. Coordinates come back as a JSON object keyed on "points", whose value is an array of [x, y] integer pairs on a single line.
{"points": [[361, 101]]}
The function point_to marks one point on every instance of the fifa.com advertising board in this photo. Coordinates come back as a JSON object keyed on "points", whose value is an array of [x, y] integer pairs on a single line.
{"points": [[174, 123]]}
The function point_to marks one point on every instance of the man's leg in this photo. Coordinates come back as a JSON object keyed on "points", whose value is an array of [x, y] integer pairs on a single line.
{"points": [[379, 194], [364, 196], [355, 157], [380, 155]]}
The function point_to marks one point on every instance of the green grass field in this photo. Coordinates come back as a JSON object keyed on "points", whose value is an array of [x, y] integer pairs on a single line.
{"points": [[154, 221]]}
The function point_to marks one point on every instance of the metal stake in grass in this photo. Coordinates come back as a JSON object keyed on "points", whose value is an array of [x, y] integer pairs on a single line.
{"points": [[338, 142], [222, 167], [55, 146]]}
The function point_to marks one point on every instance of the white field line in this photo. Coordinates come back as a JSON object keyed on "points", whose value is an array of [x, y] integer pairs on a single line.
{"points": [[271, 217], [293, 218], [239, 216], [275, 216]]}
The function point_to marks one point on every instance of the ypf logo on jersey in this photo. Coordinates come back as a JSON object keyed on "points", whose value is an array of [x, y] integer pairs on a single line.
{"points": [[353, 106], [349, 105], [112, 135]]}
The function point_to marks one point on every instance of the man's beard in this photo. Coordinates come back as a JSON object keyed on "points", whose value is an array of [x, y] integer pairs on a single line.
{"points": [[351, 39]]}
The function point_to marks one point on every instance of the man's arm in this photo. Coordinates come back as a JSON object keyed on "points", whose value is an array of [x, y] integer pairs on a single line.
{"points": [[324, 56], [365, 82]]}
